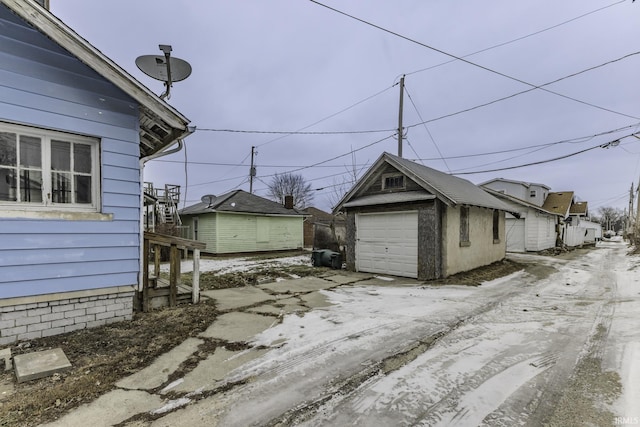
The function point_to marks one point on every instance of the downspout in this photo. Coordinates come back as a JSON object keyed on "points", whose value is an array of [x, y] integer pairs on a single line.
{"points": [[143, 160]]}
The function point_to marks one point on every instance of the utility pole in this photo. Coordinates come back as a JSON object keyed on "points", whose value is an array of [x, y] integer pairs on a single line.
{"points": [[252, 171], [636, 229], [400, 117], [630, 224]]}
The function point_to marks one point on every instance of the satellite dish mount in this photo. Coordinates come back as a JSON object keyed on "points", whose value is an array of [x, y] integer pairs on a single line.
{"points": [[164, 68]]}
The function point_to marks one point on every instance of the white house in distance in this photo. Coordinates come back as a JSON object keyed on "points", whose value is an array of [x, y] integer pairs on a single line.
{"points": [[529, 192], [571, 232], [579, 214], [545, 218], [534, 229]]}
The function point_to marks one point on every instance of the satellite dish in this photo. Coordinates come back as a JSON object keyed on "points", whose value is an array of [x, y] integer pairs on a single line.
{"points": [[208, 199], [155, 66], [164, 68]]}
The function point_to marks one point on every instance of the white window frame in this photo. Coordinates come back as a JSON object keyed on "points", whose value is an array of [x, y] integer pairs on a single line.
{"points": [[47, 205]]}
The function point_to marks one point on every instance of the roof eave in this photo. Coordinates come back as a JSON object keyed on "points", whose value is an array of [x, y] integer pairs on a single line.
{"points": [[152, 108], [512, 199], [384, 158]]}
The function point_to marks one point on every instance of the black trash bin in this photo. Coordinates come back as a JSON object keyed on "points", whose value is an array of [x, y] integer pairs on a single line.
{"points": [[326, 258]]}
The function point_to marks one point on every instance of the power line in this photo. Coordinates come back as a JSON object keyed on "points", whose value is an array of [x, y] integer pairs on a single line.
{"points": [[328, 117], [518, 38], [540, 147], [302, 132], [415, 107], [575, 140], [548, 144], [277, 132], [466, 61], [466, 110], [218, 181], [609, 144], [423, 122], [336, 157]]}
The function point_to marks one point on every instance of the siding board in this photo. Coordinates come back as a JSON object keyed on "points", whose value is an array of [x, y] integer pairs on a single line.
{"points": [[17, 227], [67, 284], [17, 274], [47, 241], [63, 107], [56, 255], [121, 160], [44, 86], [50, 120], [109, 100], [121, 187], [123, 174], [117, 200]]}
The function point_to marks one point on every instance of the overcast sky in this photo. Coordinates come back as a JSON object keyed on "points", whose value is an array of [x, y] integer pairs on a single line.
{"points": [[295, 65]]}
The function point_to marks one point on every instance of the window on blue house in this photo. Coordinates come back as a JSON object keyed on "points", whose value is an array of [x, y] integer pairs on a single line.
{"points": [[45, 169]]}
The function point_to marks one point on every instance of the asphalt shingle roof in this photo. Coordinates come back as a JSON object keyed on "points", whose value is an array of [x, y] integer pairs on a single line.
{"points": [[448, 188], [240, 201], [558, 202], [579, 208], [457, 190]]}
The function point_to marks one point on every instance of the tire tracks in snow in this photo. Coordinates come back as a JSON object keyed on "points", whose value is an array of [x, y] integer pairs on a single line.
{"points": [[460, 405], [341, 389]]}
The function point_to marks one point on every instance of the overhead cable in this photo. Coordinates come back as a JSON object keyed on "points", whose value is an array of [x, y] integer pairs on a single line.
{"points": [[466, 61], [518, 38], [609, 144], [415, 107]]}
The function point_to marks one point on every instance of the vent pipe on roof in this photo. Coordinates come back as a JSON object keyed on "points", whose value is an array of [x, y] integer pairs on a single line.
{"points": [[288, 202]]}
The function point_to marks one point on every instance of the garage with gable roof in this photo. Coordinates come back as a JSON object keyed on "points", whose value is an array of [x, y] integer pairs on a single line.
{"points": [[405, 219]]}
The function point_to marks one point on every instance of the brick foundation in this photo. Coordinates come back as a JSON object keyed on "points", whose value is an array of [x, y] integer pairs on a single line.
{"points": [[50, 316]]}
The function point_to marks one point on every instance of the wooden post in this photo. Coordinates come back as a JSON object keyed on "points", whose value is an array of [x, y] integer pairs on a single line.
{"points": [[157, 254], [195, 289], [174, 274], [145, 276]]}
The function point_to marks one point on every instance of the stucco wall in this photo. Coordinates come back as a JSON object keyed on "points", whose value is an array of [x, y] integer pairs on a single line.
{"points": [[430, 241], [481, 249]]}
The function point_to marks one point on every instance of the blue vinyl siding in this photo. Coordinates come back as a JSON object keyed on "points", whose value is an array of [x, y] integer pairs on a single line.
{"points": [[44, 86], [55, 256]]}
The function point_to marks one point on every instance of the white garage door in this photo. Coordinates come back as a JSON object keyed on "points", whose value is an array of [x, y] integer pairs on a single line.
{"points": [[387, 243], [515, 234]]}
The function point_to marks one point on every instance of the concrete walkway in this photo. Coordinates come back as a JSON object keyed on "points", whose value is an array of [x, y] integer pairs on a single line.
{"points": [[247, 311]]}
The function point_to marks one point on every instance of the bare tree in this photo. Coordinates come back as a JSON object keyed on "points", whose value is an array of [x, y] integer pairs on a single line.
{"points": [[611, 218], [343, 184], [288, 184]]}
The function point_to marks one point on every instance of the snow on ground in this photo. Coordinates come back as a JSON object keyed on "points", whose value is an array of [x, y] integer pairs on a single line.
{"points": [[624, 338], [528, 339], [240, 264]]}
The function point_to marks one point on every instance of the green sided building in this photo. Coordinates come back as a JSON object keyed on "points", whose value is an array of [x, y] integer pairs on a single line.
{"points": [[239, 222]]}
